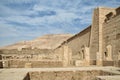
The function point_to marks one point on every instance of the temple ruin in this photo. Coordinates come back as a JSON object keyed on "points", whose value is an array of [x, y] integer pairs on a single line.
{"points": [[97, 45]]}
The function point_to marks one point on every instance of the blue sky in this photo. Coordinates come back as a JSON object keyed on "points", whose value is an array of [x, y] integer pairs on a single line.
{"points": [[27, 19]]}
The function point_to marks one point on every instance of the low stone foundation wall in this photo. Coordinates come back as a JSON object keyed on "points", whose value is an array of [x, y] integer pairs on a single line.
{"points": [[67, 75], [34, 64], [108, 63]]}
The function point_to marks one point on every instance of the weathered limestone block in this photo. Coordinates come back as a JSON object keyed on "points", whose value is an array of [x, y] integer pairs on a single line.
{"points": [[28, 65]]}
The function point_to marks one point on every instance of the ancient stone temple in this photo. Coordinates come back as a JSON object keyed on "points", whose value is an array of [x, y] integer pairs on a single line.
{"points": [[92, 54], [98, 45]]}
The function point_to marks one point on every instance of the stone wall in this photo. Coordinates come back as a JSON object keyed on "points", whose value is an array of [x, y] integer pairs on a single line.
{"points": [[65, 54], [67, 75], [64, 75], [111, 37], [91, 39], [36, 54], [27, 51], [81, 39], [33, 64], [78, 44], [59, 51], [71, 50], [96, 31]]}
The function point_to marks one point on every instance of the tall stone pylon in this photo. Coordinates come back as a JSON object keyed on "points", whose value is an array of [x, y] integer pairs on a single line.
{"points": [[96, 42]]}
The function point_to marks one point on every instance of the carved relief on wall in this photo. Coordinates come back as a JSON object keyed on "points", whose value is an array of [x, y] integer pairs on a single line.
{"points": [[108, 53], [82, 53]]}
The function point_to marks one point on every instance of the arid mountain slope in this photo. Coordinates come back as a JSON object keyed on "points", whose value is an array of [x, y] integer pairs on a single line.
{"points": [[50, 41]]}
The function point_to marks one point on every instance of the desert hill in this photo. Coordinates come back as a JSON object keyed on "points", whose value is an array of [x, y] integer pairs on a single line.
{"points": [[50, 41]]}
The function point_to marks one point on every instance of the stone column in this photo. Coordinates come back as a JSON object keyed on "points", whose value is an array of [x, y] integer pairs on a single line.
{"points": [[87, 56], [109, 52], [99, 59], [66, 56]]}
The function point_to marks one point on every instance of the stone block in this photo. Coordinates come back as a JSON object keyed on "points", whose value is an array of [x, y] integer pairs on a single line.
{"points": [[28, 65]]}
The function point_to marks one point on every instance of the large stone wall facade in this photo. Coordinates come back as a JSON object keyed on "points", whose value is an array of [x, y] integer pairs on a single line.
{"points": [[111, 39], [96, 31], [78, 45], [93, 40], [80, 41], [73, 51]]}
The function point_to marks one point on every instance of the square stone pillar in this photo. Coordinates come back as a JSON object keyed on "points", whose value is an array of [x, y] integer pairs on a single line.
{"points": [[66, 55], [99, 60], [87, 57], [5, 64]]}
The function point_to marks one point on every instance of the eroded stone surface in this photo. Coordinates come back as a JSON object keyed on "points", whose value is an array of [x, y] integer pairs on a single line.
{"points": [[57, 73]]}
